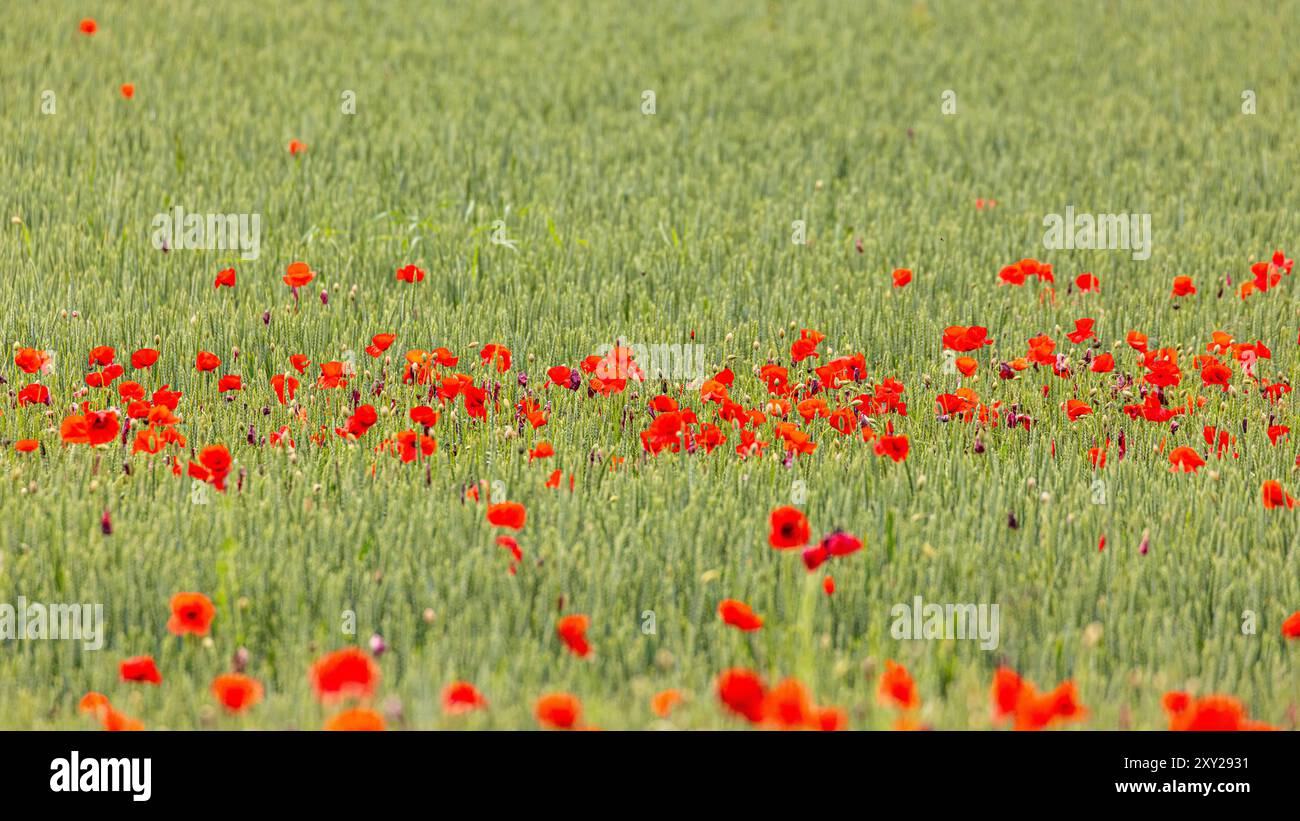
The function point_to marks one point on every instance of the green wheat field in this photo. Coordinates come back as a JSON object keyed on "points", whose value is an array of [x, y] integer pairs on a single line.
{"points": [[720, 176]]}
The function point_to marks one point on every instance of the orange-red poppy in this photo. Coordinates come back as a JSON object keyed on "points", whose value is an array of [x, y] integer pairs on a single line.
{"points": [[192, 614], [789, 528], [140, 669], [558, 711], [461, 697], [572, 630], [236, 691], [358, 719], [343, 674], [739, 615]]}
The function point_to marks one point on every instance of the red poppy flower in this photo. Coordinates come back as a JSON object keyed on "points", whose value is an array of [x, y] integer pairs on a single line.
{"points": [[411, 274], [742, 692], [1074, 408], [358, 719], [295, 148], [236, 691], [498, 354], [558, 711], [1082, 330], [902, 277], [192, 613], [143, 358], [298, 274], [507, 514], [26, 445], [1016, 698], [789, 528], [1275, 496], [1185, 459], [738, 615], [88, 26], [128, 90], [1208, 713], [30, 360], [461, 697], [663, 702], [895, 447], [206, 362], [346, 673], [1183, 286], [282, 384], [140, 669], [806, 345], [380, 343], [963, 340], [1291, 627], [225, 279], [572, 630], [230, 382], [34, 394], [897, 688]]}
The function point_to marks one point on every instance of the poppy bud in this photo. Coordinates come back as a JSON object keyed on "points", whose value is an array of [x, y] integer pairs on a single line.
{"points": [[240, 660], [106, 524], [377, 646]]}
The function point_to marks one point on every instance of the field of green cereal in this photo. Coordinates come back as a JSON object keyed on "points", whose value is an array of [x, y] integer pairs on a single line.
{"points": [[668, 218]]}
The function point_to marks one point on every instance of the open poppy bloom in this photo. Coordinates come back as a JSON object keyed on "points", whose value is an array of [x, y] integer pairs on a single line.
{"points": [[140, 669], [663, 702], [789, 528], [411, 274], [1015, 698], [358, 719], [343, 674], [236, 691], [192, 613], [897, 688], [1275, 496], [461, 697], [572, 630], [558, 711], [738, 615], [1208, 713], [507, 514], [298, 274]]}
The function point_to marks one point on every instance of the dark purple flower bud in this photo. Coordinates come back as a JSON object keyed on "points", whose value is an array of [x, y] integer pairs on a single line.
{"points": [[523, 379], [575, 379], [266, 317], [324, 298], [106, 523]]}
